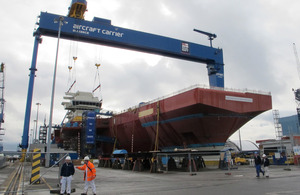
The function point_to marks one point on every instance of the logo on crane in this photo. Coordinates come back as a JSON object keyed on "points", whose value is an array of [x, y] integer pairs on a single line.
{"points": [[185, 47], [78, 28]]}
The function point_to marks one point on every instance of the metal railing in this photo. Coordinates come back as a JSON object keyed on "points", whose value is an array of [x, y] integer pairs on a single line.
{"points": [[17, 181]]}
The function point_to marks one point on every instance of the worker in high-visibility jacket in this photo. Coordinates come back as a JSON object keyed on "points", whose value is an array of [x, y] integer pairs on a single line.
{"points": [[89, 175]]}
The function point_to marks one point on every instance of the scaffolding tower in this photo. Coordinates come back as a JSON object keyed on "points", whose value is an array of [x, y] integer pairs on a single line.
{"points": [[297, 91], [2, 101], [278, 128]]}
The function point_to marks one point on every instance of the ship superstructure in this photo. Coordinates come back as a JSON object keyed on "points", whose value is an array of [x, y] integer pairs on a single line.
{"points": [[78, 103], [83, 129]]}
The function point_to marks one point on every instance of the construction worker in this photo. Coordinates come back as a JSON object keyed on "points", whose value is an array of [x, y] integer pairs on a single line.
{"points": [[266, 164], [258, 162], [66, 173], [89, 175]]}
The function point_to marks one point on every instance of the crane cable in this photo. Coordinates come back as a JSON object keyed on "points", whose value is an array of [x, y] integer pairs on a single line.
{"points": [[157, 128], [297, 59], [115, 133], [132, 132], [97, 75], [72, 68]]}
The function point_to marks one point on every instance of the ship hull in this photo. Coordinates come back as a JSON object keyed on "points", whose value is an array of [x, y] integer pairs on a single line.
{"points": [[198, 118]]}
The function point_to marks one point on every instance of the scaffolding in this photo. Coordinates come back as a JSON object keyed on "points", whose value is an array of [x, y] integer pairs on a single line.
{"points": [[2, 101], [297, 91], [43, 134], [278, 129]]}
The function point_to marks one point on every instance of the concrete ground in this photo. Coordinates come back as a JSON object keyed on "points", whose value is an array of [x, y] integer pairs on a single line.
{"points": [[207, 181]]}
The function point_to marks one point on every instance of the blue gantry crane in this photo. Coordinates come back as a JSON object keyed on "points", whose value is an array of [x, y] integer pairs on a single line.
{"points": [[101, 31]]}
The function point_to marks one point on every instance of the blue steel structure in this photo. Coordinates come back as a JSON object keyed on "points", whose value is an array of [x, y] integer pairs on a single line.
{"points": [[290, 125], [24, 144], [88, 132], [89, 127], [100, 31]]}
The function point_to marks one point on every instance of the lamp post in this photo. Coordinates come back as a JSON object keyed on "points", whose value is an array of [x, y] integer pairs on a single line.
{"points": [[33, 132], [37, 120], [60, 22], [31, 137]]}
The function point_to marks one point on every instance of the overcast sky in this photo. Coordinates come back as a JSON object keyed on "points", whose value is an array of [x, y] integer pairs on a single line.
{"points": [[256, 37]]}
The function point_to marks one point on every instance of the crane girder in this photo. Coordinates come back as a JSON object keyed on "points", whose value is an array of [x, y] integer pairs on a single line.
{"points": [[100, 31]]}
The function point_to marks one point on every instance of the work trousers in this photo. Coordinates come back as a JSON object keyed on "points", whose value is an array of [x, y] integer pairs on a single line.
{"points": [[66, 181], [266, 169], [90, 183], [258, 170]]}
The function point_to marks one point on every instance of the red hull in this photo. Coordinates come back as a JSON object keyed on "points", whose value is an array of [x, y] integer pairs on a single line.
{"points": [[195, 118]]}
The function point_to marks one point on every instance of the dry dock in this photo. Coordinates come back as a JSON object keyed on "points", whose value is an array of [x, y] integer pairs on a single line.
{"points": [[209, 180]]}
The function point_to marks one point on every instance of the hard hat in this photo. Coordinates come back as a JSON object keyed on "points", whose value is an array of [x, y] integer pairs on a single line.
{"points": [[86, 158], [264, 155], [68, 158]]}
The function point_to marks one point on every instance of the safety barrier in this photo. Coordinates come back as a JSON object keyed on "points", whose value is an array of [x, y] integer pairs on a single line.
{"points": [[36, 166]]}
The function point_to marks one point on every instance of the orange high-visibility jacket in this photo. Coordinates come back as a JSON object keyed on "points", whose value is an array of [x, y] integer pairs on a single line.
{"points": [[91, 171]]}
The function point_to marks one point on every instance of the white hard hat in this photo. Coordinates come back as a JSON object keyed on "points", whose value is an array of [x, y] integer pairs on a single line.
{"points": [[68, 158], [86, 158], [264, 155]]}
